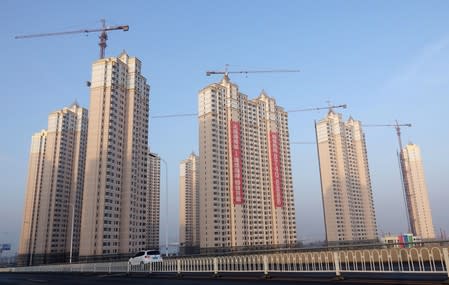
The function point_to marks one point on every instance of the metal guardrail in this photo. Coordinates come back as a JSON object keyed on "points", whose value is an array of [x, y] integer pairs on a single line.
{"points": [[429, 260]]}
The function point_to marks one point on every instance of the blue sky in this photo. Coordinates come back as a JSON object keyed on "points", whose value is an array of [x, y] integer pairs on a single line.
{"points": [[387, 60]]}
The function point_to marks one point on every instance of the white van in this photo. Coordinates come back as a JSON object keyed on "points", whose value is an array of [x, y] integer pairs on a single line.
{"points": [[146, 256]]}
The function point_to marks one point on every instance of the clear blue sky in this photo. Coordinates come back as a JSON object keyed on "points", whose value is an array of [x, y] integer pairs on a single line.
{"points": [[387, 60]]}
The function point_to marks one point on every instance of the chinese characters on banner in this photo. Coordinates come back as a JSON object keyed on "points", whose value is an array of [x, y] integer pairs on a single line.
{"points": [[276, 169], [236, 163]]}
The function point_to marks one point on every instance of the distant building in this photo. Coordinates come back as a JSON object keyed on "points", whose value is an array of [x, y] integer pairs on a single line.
{"points": [[419, 212], [402, 241], [153, 200], [345, 180], [115, 190], [52, 210], [245, 176], [189, 212]]}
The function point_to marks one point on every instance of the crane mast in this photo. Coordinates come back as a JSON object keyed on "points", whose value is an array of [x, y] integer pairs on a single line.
{"points": [[103, 35], [404, 174]]}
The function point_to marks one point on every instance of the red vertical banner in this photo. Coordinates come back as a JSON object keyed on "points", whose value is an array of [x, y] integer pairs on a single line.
{"points": [[276, 169], [237, 190]]}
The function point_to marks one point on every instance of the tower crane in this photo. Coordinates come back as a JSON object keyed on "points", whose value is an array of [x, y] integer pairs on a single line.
{"points": [[405, 184], [397, 126], [103, 34], [344, 106], [330, 107], [226, 72]]}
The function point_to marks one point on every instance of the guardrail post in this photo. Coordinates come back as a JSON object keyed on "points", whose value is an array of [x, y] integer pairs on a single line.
{"points": [[178, 268], [266, 275], [128, 268], [337, 266], [446, 262], [109, 269], [216, 267]]}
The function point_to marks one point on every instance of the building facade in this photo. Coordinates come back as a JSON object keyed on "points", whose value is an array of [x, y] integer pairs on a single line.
{"points": [[189, 220], [114, 206], [52, 212], [345, 180], [153, 198], [245, 179], [417, 197]]}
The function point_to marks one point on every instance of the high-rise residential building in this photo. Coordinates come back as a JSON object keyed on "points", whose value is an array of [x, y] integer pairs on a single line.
{"points": [[345, 180], [153, 200], [52, 212], [245, 178], [417, 197], [115, 188], [189, 211]]}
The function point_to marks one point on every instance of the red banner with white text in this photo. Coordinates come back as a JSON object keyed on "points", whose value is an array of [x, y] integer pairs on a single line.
{"points": [[237, 189], [276, 169]]}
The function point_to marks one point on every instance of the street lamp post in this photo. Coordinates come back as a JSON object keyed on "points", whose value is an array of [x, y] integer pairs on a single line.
{"points": [[166, 206]]}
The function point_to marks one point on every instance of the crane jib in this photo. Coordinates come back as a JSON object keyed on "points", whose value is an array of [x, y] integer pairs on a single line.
{"points": [[103, 38]]}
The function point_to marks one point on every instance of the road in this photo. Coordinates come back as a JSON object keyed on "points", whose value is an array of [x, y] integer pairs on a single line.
{"points": [[123, 279]]}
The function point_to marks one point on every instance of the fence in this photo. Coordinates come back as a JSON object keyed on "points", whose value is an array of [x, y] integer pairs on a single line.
{"points": [[428, 260]]}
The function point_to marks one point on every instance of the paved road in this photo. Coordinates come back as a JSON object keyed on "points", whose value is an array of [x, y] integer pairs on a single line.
{"points": [[123, 279]]}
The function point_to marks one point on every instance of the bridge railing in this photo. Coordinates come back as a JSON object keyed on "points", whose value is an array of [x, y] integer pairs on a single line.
{"points": [[429, 260]]}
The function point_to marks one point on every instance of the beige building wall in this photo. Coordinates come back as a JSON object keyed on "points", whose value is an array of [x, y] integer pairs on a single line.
{"points": [[189, 222], [245, 179], [153, 198], [345, 180], [53, 199], [420, 213], [114, 205]]}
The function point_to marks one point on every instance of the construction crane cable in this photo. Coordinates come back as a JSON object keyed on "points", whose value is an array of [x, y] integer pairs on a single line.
{"points": [[302, 142], [196, 114], [174, 115]]}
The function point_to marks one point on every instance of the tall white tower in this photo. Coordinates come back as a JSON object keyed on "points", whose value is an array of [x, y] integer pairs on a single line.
{"points": [[189, 220], [420, 213], [153, 200], [345, 180], [52, 212], [245, 178], [115, 192]]}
